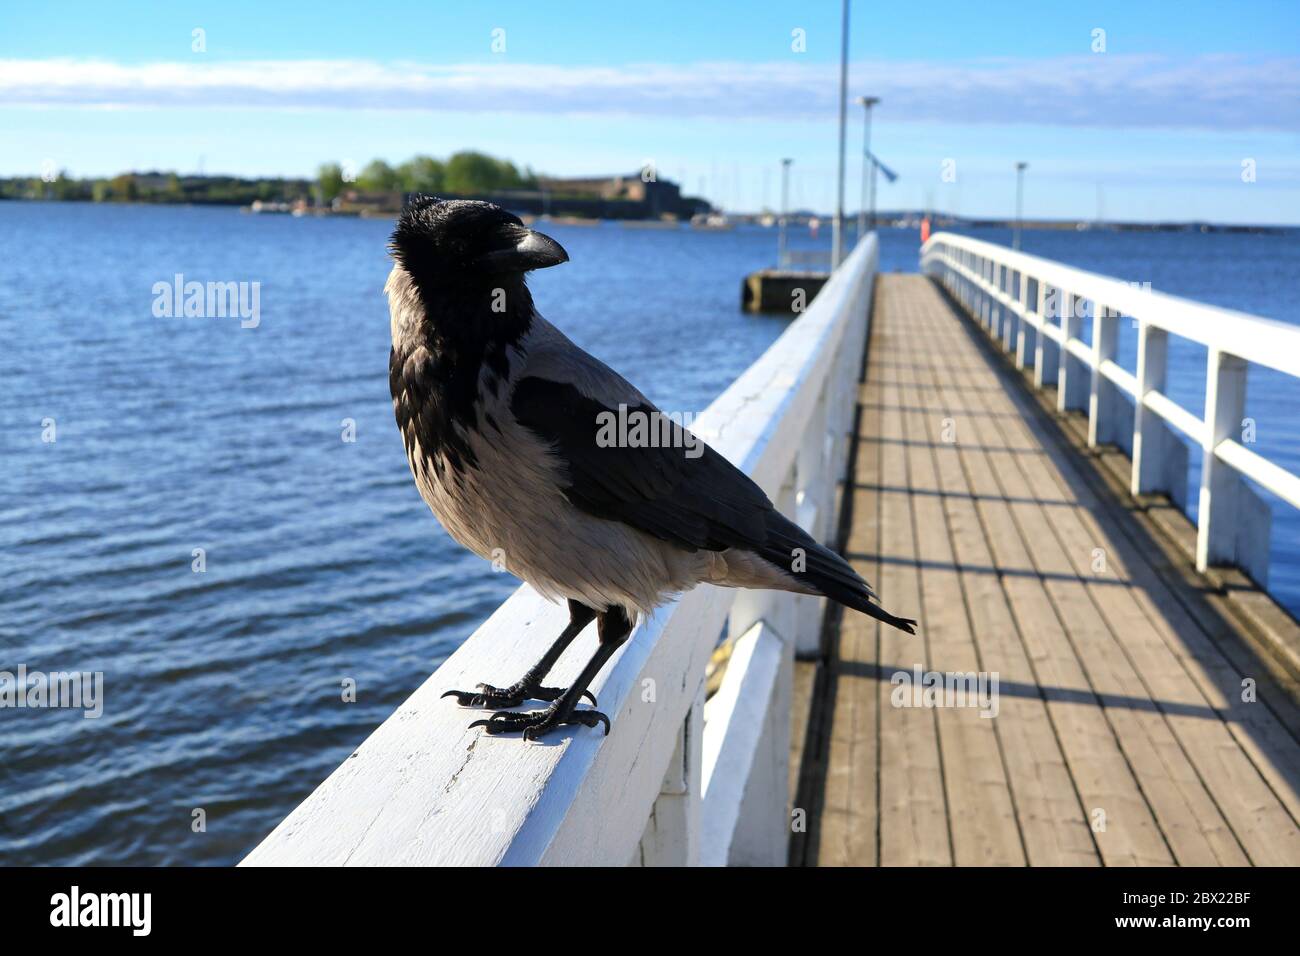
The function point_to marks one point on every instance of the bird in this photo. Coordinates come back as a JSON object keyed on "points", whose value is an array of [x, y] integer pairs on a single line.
{"points": [[498, 412]]}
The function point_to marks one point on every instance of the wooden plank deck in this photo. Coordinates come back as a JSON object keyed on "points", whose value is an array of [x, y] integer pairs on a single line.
{"points": [[1121, 736]]}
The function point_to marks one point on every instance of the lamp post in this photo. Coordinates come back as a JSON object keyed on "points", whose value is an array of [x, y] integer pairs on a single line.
{"points": [[785, 212], [1020, 202], [837, 229], [866, 102], [875, 168]]}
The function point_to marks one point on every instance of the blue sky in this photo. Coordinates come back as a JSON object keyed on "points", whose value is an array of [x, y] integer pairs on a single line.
{"points": [[1158, 124]]}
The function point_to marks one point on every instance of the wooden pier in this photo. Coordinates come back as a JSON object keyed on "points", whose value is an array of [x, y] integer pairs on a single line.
{"points": [[1121, 737], [1114, 690]]}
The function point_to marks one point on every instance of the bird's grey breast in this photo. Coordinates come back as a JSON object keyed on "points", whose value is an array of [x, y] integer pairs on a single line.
{"points": [[490, 482]]}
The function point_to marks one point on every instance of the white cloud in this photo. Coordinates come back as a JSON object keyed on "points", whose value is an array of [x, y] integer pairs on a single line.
{"points": [[1098, 90]]}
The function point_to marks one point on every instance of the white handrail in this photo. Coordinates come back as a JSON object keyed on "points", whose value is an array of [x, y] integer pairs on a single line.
{"points": [[1017, 296], [423, 789]]}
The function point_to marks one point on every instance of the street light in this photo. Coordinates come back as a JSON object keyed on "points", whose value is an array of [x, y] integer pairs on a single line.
{"points": [[785, 211], [1020, 202], [837, 229], [866, 102]]}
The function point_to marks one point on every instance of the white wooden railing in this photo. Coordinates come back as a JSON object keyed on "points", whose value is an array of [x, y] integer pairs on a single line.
{"points": [[678, 780], [1035, 308]]}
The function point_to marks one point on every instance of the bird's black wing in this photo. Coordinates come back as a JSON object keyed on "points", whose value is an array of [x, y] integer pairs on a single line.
{"points": [[700, 502], [693, 502]]}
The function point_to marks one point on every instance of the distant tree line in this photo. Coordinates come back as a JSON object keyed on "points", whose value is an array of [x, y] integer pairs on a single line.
{"points": [[463, 173], [158, 187]]}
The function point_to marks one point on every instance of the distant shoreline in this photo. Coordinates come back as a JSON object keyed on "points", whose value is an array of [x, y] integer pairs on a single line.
{"points": [[902, 219]]}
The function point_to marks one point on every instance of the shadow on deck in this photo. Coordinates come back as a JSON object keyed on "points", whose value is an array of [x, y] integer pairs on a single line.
{"points": [[1136, 723]]}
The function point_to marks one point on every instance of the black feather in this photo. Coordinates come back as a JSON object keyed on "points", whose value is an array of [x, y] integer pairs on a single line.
{"points": [[696, 503], [470, 320]]}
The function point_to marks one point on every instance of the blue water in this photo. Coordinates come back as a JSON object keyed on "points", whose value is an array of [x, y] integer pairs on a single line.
{"points": [[223, 688]]}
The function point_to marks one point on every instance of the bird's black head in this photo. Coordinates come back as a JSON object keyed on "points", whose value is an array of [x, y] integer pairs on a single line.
{"points": [[458, 243]]}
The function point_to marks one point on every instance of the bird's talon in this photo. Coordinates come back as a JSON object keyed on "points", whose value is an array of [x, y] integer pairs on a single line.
{"points": [[533, 725], [489, 696]]}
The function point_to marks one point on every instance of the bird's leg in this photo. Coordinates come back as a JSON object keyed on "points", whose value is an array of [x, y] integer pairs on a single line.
{"points": [[529, 687], [613, 626]]}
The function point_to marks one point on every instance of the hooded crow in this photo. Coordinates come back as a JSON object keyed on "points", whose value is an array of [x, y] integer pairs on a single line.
{"points": [[500, 414]]}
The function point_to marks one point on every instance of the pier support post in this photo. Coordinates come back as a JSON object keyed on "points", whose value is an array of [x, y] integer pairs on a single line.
{"points": [[1102, 413], [1225, 405]]}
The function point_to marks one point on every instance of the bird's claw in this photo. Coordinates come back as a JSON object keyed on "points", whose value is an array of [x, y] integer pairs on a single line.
{"points": [[539, 722], [488, 696]]}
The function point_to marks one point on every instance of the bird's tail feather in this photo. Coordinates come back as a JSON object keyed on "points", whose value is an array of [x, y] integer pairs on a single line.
{"points": [[825, 571], [879, 613]]}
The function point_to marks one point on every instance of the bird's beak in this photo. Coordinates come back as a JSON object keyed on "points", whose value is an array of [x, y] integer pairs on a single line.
{"points": [[525, 250]]}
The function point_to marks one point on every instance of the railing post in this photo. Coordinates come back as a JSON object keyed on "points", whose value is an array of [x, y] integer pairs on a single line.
{"points": [[971, 289], [997, 316], [1069, 370], [1001, 281], [986, 300], [811, 511], [1101, 401], [1045, 362], [1009, 319], [1001, 328], [1011, 325], [1026, 333], [989, 272], [672, 834], [785, 613], [1225, 405], [1149, 433]]}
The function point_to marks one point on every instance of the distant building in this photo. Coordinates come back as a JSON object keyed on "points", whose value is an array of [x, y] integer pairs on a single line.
{"points": [[594, 197], [360, 202], [601, 197], [660, 197]]}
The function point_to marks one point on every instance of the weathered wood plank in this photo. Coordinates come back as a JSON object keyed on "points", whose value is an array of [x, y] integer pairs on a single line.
{"points": [[1245, 813], [981, 812], [1187, 817], [1213, 804], [914, 827], [849, 814], [1048, 808], [969, 514]]}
